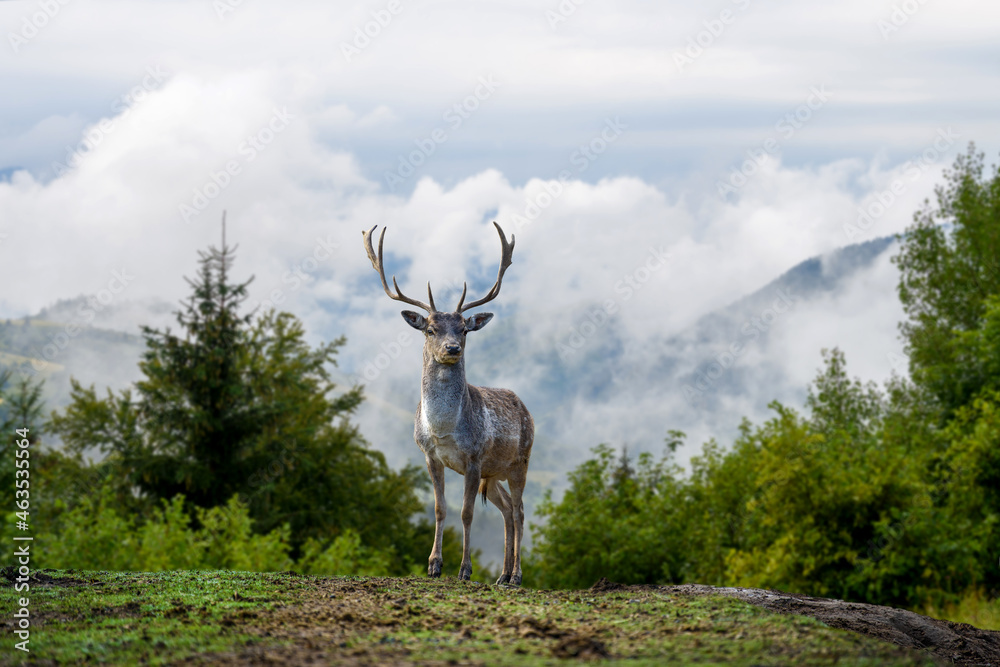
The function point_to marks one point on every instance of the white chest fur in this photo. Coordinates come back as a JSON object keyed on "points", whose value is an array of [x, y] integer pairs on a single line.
{"points": [[440, 419], [442, 444]]}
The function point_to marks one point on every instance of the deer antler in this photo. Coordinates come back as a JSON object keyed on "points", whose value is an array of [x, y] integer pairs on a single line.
{"points": [[507, 250], [377, 264]]}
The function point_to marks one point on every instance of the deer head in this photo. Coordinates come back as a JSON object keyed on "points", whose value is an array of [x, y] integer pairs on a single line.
{"points": [[444, 332]]}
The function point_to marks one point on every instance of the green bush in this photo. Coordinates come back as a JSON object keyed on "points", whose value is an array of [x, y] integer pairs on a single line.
{"points": [[167, 541], [93, 535], [230, 543]]}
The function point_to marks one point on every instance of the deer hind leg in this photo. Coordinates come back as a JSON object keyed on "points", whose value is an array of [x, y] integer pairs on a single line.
{"points": [[499, 497], [436, 470], [517, 481], [472, 480]]}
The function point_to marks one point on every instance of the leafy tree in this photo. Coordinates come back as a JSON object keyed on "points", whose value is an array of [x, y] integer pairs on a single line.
{"points": [[949, 265], [843, 407], [972, 489], [239, 405], [950, 289], [836, 508], [718, 507]]}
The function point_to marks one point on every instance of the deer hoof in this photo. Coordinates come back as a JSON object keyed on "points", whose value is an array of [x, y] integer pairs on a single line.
{"points": [[434, 568], [515, 580], [465, 573], [504, 579]]}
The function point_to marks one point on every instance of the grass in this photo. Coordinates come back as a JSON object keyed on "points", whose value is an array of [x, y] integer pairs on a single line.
{"points": [[233, 617]]}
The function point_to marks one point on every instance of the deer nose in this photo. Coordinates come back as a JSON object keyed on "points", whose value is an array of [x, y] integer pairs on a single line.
{"points": [[453, 349]]}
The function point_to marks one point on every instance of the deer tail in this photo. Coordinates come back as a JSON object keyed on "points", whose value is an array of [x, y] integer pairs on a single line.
{"points": [[483, 487]]}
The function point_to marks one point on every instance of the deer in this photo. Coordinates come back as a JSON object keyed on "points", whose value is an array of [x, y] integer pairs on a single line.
{"points": [[482, 433]]}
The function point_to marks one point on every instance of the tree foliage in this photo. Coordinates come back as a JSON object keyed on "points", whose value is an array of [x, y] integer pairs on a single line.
{"points": [[20, 408], [949, 265]]}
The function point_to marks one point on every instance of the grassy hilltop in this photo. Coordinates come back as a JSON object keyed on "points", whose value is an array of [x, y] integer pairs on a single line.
{"points": [[240, 618]]}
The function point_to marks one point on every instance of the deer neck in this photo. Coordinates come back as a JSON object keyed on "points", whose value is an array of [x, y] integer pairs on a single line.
{"points": [[443, 394]]}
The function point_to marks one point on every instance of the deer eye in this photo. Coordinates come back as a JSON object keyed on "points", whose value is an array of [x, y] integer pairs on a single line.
{"points": [[429, 331]]}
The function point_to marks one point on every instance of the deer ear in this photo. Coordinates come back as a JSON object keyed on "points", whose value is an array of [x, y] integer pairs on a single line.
{"points": [[477, 321], [415, 320]]}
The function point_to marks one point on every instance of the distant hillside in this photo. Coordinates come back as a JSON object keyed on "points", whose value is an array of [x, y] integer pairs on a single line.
{"points": [[745, 322], [55, 351]]}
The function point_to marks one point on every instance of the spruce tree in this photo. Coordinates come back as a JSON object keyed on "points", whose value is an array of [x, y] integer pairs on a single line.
{"points": [[197, 402]]}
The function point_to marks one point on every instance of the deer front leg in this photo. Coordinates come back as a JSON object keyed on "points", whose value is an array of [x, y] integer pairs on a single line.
{"points": [[436, 470], [472, 480]]}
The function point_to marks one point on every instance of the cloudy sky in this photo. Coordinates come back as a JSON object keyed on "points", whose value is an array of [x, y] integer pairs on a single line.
{"points": [[734, 138]]}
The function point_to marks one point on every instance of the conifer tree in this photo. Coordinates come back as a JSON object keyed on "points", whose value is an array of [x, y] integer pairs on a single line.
{"points": [[198, 402]]}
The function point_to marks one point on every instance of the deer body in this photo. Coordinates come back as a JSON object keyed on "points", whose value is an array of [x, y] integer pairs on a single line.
{"points": [[482, 433]]}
